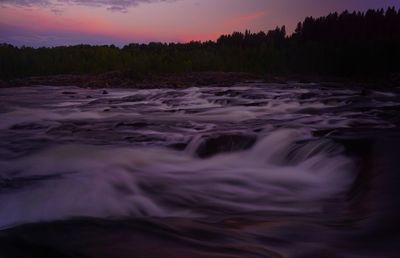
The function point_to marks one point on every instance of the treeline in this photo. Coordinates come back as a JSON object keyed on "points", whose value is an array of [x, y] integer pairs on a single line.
{"points": [[346, 44]]}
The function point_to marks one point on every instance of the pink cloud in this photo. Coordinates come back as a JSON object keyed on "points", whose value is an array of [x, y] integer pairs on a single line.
{"points": [[39, 20], [243, 20]]}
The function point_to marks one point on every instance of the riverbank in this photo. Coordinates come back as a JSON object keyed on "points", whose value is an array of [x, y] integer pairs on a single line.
{"points": [[193, 79], [123, 80]]}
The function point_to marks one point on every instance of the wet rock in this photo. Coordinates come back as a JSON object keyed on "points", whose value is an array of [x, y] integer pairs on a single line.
{"points": [[365, 92], [256, 104], [229, 93], [225, 101], [225, 143], [28, 126], [134, 98], [323, 132], [105, 101], [309, 95], [253, 96], [305, 81], [178, 146], [132, 124]]}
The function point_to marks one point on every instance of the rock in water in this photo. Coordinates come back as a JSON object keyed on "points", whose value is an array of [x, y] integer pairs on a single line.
{"points": [[225, 143]]}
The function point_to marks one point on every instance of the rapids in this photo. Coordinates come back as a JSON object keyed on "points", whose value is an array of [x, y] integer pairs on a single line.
{"points": [[252, 150]]}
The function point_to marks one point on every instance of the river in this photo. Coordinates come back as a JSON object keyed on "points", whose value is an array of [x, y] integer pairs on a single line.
{"points": [[253, 170]]}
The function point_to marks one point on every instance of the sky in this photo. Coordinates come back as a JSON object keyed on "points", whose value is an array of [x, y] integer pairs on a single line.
{"points": [[68, 22]]}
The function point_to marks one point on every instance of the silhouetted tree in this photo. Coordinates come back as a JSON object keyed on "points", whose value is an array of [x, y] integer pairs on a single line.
{"points": [[346, 44]]}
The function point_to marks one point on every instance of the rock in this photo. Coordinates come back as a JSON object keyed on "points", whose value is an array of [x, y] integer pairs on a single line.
{"points": [[308, 95], [68, 92], [132, 124], [134, 98], [225, 143], [365, 92], [178, 146], [305, 81], [105, 92], [28, 126], [229, 93]]}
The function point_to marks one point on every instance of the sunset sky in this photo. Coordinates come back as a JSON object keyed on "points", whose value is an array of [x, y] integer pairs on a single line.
{"points": [[66, 22]]}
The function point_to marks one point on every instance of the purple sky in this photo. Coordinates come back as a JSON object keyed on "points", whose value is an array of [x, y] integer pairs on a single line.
{"points": [[65, 22]]}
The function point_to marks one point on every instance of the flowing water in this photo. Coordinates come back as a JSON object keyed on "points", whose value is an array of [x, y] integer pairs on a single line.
{"points": [[252, 170]]}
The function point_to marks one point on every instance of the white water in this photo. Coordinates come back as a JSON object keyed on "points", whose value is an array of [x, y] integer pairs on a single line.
{"points": [[109, 157], [108, 182]]}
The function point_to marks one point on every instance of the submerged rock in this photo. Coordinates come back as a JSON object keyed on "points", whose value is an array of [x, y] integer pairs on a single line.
{"points": [[68, 93], [225, 143], [308, 95]]}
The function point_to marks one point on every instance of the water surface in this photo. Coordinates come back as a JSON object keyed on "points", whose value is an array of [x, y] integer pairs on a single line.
{"points": [[252, 170]]}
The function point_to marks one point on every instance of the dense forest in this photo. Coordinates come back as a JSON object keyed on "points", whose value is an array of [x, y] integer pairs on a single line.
{"points": [[346, 44]]}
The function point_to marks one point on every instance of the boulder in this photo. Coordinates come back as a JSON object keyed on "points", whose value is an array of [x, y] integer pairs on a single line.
{"points": [[225, 143]]}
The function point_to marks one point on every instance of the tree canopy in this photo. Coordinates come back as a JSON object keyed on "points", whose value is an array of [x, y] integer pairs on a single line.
{"points": [[345, 44]]}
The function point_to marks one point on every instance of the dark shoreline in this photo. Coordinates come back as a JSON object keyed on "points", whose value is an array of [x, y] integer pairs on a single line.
{"points": [[194, 79]]}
